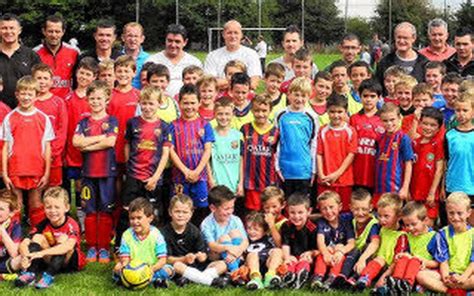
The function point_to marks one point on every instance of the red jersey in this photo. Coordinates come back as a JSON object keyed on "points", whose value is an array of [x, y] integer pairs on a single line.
{"points": [[368, 129], [285, 86], [424, 166], [55, 108], [26, 135], [62, 64], [70, 229], [207, 114], [391, 100], [77, 109], [4, 110], [123, 106], [408, 122], [334, 144]]}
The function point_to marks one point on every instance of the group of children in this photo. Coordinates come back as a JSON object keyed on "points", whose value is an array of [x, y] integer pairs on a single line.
{"points": [[332, 143]]}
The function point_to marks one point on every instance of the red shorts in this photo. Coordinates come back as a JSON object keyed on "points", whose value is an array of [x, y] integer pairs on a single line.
{"points": [[253, 201], [56, 176], [25, 182], [344, 192]]}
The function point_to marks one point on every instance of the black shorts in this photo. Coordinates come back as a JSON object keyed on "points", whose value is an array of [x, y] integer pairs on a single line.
{"points": [[72, 265], [134, 188], [5, 266]]}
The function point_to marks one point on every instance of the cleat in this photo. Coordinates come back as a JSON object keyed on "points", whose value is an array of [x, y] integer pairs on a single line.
{"points": [[301, 278], [25, 279], [91, 255], [289, 278], [45, 282], [255, 284], [104, 256], [272, 282]]}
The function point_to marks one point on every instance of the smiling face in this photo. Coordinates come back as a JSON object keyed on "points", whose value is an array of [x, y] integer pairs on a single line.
{"points": [[189, 105], [273, 206], [421, 101], [104, 38], [97, 101], [464, 112], [232, 35], [438, 37], [336, 115], [414, 225], [261, 112], [239, 93], [390, 121], [298, 100], [124, 75], [53, 33], [159, 81], [434, 77], [358, 74], [429, 127], [389, 82], [272, 84], [330, 210], [458, 214], [45, 81], [450, 92], [362, 210], [224, 115], [403, 94], [26, 99], [302, 68], [254, 231], [208, 94], [149, 106], [298, 215], [139, 222], [181, 213], [291, 43], [133, 38], [404, 39], [350, 50], [174, 45], [10, 31], [322, 88], [84, 77], [387, 217], [108, 75], [55, 210], [223, 212]]}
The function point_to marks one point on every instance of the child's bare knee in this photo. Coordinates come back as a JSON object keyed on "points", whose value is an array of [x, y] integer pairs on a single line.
{"points": [[224, 238], [235, 234], [40, 239], [179, 267]]}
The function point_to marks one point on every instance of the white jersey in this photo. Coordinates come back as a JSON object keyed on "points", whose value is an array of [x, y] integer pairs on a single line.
{"points": [[217, 59], [261, 49], [176, 71]]}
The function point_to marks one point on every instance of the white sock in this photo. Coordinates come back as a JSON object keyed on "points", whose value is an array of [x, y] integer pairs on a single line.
{"points": [[197, 276], [211, 273]]}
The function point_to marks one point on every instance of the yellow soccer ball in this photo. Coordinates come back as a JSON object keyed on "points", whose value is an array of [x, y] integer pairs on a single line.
{"points": [[136, 275]]}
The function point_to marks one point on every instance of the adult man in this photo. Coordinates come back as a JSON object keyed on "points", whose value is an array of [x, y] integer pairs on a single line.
{"points": [[16, 60], [291, 43], [174, 57], [133, 38], [438, 49], [104, 37], [58, 55], [404, 55], [375, 49], [233, 50], [350, 48], [462, 62]]}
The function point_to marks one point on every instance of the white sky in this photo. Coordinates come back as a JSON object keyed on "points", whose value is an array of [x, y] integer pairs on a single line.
{"points": [[366, 8]]}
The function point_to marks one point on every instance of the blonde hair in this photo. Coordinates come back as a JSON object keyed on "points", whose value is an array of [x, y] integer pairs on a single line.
{"points": [[271, 192], [329, 194], [389, 108], [133, 24], [414, 207], [57, 192], [235, 64], [405, 81], [97, 85], [207, 80], [181, 198], [10, 198], [125, 61], [151, 92], [422, 89], [193, 69], [466, 97], [263, 99], [301, 84], [27, 83], [390, 199], [459, 198], [107, 64]]}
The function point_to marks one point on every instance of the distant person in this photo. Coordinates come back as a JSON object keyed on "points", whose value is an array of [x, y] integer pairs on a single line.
{"points": [[375, 48], [462, 62], [262, 49], [105, 35], [133, 38], [438, 49]]}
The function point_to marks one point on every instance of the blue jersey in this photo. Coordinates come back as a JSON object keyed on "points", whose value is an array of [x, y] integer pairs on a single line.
{"points": [[448, 114], [334, 236], [212, 231], [296, 150], [459, 149]]}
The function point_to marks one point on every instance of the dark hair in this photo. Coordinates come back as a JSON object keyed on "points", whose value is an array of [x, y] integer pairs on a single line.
{"points": [[239, 78], [297, 199], [414, 207], [324, 75], [55, 18], [452, 78], [10, 17], [436, 65], [303, 54], [177, 29], [90, 64], [188, 89], [350, 36], [432, 112], [337, 64], [105, 24], [220, 194], [157, 70], [371, 85], [257, 218], [337, 100], [141, 204], [463, 31], [361, 194], [291, 29], [359, 64], [147, 66]]}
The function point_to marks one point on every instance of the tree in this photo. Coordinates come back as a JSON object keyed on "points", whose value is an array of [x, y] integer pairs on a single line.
{"points": [[465, 15], [361, 28]]}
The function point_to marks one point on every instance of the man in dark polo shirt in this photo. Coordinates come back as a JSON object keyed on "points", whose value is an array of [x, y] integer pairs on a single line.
{"points": [[105, 35], [462, 62], [16, 60]]}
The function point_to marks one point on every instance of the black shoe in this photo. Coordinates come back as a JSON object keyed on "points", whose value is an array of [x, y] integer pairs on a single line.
{"points": [[301, 278], [220, 282], [182, 281], [380, 291], [160, 283], [239, 282], [289, 278], [360, 286], [403, 288], [391, 283]]}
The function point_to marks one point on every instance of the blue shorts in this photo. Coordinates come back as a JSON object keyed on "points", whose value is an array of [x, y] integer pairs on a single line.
{"points": [[98, 194], [197, 191], [73, 173]]}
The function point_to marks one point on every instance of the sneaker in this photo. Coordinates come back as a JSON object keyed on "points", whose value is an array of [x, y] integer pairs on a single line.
{"points": [[381, 291], [317, 283], [182, 281], [91, 255], [104, 256], [45, 282], [289, 278], [25, 279], [255, 284], [8, 276], [361, 284], [160, 283], [328, 283], [220, 282], [391, 282], [339, 282], [403, 288], [272, 282], [301, 278]]}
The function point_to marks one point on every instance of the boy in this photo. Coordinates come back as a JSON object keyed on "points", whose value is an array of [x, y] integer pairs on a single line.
{"points": [[107, 72], [273, 204], [95, 137], [422, 95], [454, 251], [274, 75], [192, 74], [429, 162], [322, 89], [186, 247], [10, 234], [434, 73], [207, 86], [55, 108], [296, 164], [358, 72], [4, 110], [226, 161], [392, 240], [144, 242], [422, 250], [26, 155], [450, 90], [391, 77], [223, 232], [232, 67], [298, 241], [78, 109], [340, 79], [261, 254], [369, 128], [394, 157], [459, 145], [403, 94], [158, 76], [302, 67], [239, 90], [335, 240], [55, 243], [192, 139], [258, 159], [337, 145]]}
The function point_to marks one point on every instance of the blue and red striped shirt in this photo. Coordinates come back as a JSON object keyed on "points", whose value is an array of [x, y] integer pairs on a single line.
{"points": [[393, 150], [146, 140]]}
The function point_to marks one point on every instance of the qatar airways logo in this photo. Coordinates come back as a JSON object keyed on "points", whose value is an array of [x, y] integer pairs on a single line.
{"points": [[259, 150]]}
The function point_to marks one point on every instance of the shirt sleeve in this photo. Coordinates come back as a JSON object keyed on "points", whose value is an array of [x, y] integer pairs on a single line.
{"points": [[207, 231], [165, 130], [160, 246], [374, 231], [80, 128], [16, 234], [432, 246], [172, 135], [320, 144], [442, 251], [353, 141], [208, 134], [48, 130], [124, 250], [6, 132], [285, 234], [406, 148], [200, 244]]}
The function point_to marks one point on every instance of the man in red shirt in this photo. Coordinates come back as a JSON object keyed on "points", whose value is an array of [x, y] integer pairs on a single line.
{"points": [[438, 49], [59, 56]]}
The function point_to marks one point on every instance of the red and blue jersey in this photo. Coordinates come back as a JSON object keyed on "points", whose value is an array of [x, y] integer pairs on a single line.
{"points": [[188, 139], [98, 163], [146, 140], [259, 152], [393, 150]]}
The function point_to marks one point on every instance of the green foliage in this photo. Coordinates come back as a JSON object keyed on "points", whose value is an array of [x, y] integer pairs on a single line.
{"points": [[465, 15], [360, 27]]}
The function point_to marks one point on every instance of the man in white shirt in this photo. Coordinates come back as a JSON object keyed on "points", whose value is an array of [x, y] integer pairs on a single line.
{"points": [[261, 49], [233, 50], [174, 57]]}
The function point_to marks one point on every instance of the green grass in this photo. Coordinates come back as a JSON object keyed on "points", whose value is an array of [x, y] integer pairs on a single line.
{"points": [[96, 280]]}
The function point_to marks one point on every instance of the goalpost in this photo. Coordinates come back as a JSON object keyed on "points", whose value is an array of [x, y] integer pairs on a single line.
{"points": [[210, 33]]}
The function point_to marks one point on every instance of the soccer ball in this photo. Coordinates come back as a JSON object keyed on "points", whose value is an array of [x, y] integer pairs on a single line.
{"points": [[136, 275]]}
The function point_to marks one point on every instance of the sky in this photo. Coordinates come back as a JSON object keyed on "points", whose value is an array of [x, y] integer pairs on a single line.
{"points": [[366, 8]]}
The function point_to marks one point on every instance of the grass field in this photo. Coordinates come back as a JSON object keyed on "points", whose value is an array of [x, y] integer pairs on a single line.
{"points": [[96, 280]]}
